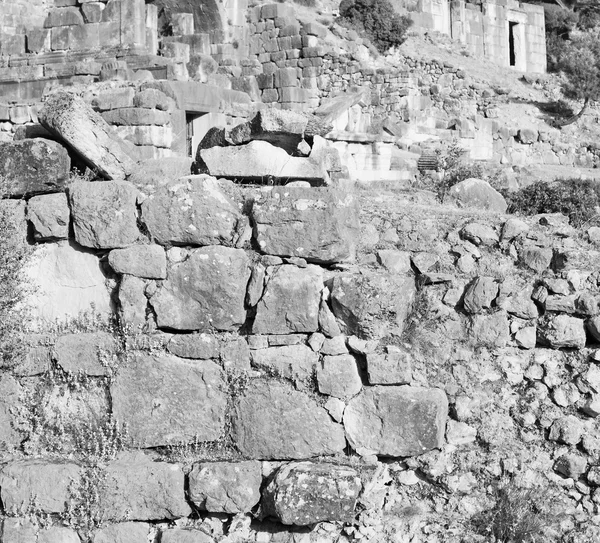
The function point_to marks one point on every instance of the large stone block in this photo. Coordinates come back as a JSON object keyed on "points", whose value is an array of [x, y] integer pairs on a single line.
{"points": [[84, 352], [305, 493], [373, 304], [225, 487], [319, 225], [165, 399], [50, 216], [123, 532], [206, 291], [290, 302], [272, 421], [34, 166], [396, 421], [65, 16], [136, 488], [294, 362], [136, 116], [338, 376], [193, 210], [104, 214], [149, 261], [114, 99], [37, 481]]}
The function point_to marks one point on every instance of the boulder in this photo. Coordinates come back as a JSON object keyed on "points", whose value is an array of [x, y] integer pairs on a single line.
{"points": [[338, 376], [68, 117], [373, 304], [225, 487], [394, 261], [261, 161], [396, 420], [49, 215], [149, 261], [85, 352], [136, 488], [536, 258], [34, 166], [290, 302], [480, 294], [10, 395], [104, 214], [45, 483], [317, 224], [479, 194], [206, 291], [192, 210], [304, 493], [123, 532], [562, 331], [294, 362], [390, 368], [164, 399], [195, 346], [272, 421], [479, 234]]}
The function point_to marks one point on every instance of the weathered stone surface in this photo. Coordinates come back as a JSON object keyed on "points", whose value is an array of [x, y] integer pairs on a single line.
{"points": [[562, 331], [259, 160], [327, 322], [192, 210], [18, 530], [235, 354], [490, 330], [396, 421], [373, 304], [295, 362], [290, 302], [272, 421], [320, 225], [186, 535], [256, 286], [479, 194], [84, 352], [593, 326], [536, 258], [338, 376], [72, 120], [164, 399], [195, 346], [133, 303], [133, 116], [136, 488], [49, 214], [65, 282], [225, 487], [123, 532], [34, 166], [394, 261], [158, 172], [520, 304], [305, 493], [10, 392], [47, 483], [568, 429], [571, 465], [149, 261], [390, 368], [479, 234], [57, 534], [104, 214], [480, 294], [204, 292]]}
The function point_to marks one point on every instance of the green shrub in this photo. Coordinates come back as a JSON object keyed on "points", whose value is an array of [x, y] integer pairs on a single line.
{"points": [[579, 199], [377, 19]]}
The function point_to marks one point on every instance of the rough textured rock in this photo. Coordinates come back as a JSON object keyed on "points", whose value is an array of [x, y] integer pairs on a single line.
{"points": [[272, 421], [295, 362], [490, 330], [49, 214], [290, 302], [84, 352], [477, 193], [158, 172], [338, 376], [320, 225], [133, 303], [373, 304], [536, 258], [480, 294], [34, 166], [396, 421], [195, 346], [225, 487], [187, 535], [192, 210], [104, 214], [65, 282], [72, 120], [480, 234], [593, 326], [45, 482], [123, 532], [149, 261], [10, 392], [206, 291], [164, 399], [57, 534], [561, 331], [305, 493], [137, 488], [390, 368], [394, 261], [567, 430], [571, 465]]}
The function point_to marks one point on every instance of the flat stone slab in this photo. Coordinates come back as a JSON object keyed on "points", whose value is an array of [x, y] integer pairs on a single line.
{"points": [[272, 421], [34, 166], [225, 487], [165, 399], [205, 292], [192, 210], [304, 493], [318, 224], [396, 420]]}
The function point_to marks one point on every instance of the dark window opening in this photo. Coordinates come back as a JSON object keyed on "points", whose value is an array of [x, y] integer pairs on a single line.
{"points": [[192, 132], [512, 59]]}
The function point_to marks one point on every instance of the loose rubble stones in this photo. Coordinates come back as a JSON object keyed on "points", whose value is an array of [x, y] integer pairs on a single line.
{"points": [[319, 225], [561, 330], [304, 493]]}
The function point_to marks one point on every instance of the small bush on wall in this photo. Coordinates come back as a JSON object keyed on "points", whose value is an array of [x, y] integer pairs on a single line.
{"points": [[378, 20]]}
